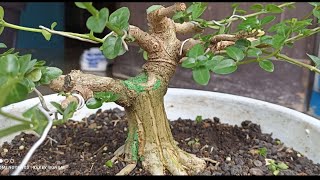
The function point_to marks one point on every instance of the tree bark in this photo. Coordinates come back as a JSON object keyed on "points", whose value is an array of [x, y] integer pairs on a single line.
{"points": [[150, 139]]}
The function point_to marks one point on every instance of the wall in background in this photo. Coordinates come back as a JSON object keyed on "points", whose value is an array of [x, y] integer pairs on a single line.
{"points": [[41, 13]]}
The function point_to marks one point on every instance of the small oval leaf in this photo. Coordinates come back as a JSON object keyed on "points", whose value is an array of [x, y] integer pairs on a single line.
{"points": [[267, 65], [267, 19], [235, 53], [153, 8], [189, 63], [196, 51], [1, 12], [120, 18], [46, 34], [53, 25], [93, 103], [226, 66], [256, 7], [98, 23], [273, 8], [254, 52], [82, 4], [9, 65], [34, 75], [201, 75], [2, 45]]}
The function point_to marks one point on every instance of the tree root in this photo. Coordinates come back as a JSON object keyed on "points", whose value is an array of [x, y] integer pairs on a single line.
{"points": [[172, 158], [127, 170]]}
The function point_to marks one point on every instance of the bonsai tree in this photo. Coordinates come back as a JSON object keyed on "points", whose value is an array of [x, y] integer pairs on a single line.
{"points": [[149, 137]]}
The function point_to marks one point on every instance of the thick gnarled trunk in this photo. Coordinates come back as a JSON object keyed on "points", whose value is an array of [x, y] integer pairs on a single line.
{"points": [[150, 139]]}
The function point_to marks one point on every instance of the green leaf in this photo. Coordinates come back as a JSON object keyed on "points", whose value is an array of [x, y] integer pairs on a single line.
{"points": [[93, 103], [82, 4], [256, 7], [14, 129], [40, 63], [189, 63], [28, 83], [106, 96], [301, 25], [273, 8], [2, 45], [235, 5], [275, 172], [178, 16], [25, 63], [198, 119], [153, 8], [266, 39], [263, 151], [1, 12], [241, 12], [267, 65], [34, 75], [145, 55], [7, 52], [254, 52], [196, 51], [38, 119], [46, 34], [315, 3], [235, 53], [315, 59], [109, 164], [120, 18], [316, 13], [112, 47], [18, 92], [243, 42], [278, 41], [98, 23], [49, 74], [68, 113], [201, 75], [282, 166], [226, 66], [1, 29], [9, 65], [267, 19], [212, 62], [198, 9], [57, 106], [249, 23], [3, 80], [53, 25]]}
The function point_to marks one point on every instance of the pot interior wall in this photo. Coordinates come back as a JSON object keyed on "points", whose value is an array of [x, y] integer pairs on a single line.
{"points": [[295, 129]]}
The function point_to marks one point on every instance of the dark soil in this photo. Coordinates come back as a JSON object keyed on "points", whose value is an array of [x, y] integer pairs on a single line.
{"points": [[82, 148]]}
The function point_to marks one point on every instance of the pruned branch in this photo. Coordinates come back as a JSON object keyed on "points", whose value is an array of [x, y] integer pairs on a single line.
{"points": [[187, 27], [169, 11], [144, 40], [76, 80]]}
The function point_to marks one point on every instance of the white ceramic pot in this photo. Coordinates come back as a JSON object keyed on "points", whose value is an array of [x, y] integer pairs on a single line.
{"points": [[295, 129]]}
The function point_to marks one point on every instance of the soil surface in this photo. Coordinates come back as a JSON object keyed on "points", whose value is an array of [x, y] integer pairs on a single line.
{"points": [[82, 148]]}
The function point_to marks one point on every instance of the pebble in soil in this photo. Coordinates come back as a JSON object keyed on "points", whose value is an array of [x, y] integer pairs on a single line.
{"points": [[82, 148]]}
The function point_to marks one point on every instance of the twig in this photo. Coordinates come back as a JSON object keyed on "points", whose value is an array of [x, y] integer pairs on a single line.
{"points": [[124, 42], [43, 102], [36, 145], [81, 101], [104, 38], [126, 170], [67, 35], [181, 48]]}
